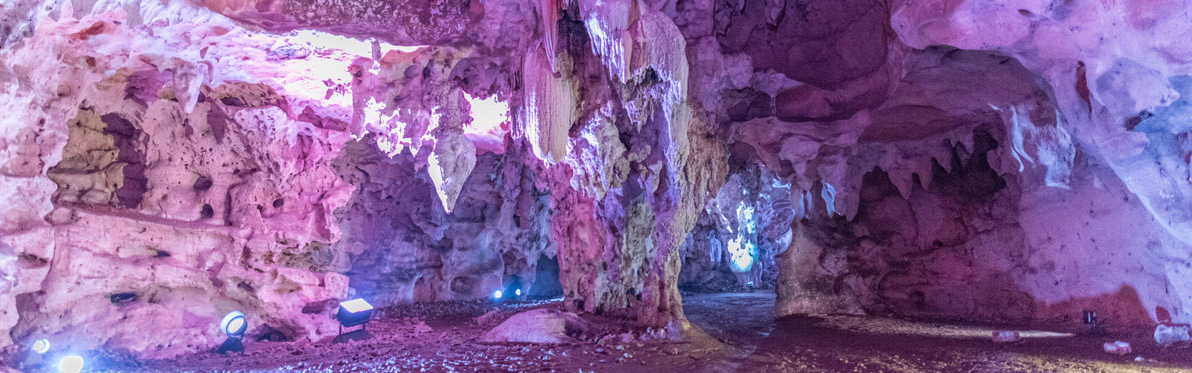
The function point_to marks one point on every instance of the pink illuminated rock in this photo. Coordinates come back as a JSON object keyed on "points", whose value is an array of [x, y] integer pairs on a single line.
{"points": [[1168, 335], [165, 209], [431, 22], [550, 102], [544, 326], [1117, 348], [164, 163]]}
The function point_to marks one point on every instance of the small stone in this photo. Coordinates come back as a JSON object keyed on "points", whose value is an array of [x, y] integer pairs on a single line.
{"points": [[1117, 347], [1167, 335]]}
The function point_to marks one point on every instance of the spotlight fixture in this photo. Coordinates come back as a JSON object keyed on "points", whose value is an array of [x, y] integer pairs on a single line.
{"points": [[41, 346], [71, 364], [234, 325], [352, 313], [511, 290]]}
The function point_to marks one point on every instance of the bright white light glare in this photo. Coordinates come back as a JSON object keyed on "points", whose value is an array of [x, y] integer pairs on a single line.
{"points": [[517, 293], [741, 249], [363, 48], [497, 294], [356, 305], [71, 364], [41, 346], [233, 323], [490, 119], [739, 256]]}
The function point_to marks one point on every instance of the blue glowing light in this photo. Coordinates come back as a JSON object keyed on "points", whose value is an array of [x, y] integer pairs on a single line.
{"points": [[497, 294], [71, 364], [517, 293], [742, 249], [741, 260], [829, 196], [41, 346]]}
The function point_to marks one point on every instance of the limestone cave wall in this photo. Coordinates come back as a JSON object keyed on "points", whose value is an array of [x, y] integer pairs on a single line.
{"points": [[165, 162]]}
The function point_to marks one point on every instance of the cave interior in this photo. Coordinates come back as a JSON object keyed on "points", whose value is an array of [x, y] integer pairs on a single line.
{"points": [[601, 185]]}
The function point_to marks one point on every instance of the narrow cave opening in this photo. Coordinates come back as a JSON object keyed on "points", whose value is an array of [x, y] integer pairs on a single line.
{"points": [[546, 279]]}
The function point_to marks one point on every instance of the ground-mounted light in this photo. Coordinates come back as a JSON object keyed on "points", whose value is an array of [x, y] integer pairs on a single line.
{"points": [[353, 313], [1090, 321], [497, 295], [234, 325], [511, 290], [71, 364], [41, 346]]}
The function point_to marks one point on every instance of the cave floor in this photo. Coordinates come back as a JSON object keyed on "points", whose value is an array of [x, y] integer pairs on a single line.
{"points": [[874, 344], [442, 338]]}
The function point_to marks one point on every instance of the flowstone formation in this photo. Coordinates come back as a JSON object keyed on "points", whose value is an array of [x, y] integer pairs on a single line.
{"points": [[166, 162]]}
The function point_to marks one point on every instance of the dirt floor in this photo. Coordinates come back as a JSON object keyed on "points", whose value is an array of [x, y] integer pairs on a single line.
{"points": [[868, 344], [442, 337]]}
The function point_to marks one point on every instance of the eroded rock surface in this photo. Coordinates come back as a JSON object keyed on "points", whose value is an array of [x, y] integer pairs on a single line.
{"points": [[166, 162], [543, 326]]}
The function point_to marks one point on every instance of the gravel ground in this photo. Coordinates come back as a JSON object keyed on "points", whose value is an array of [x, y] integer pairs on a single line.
{"points": [[443, 337]]}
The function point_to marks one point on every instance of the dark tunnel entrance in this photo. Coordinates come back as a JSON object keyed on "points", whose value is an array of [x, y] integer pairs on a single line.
{"points": [[546, 279]]}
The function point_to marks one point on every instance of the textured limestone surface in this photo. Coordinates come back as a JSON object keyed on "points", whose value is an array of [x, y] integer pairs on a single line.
{"points": [[166, 162], [543, 326]]}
